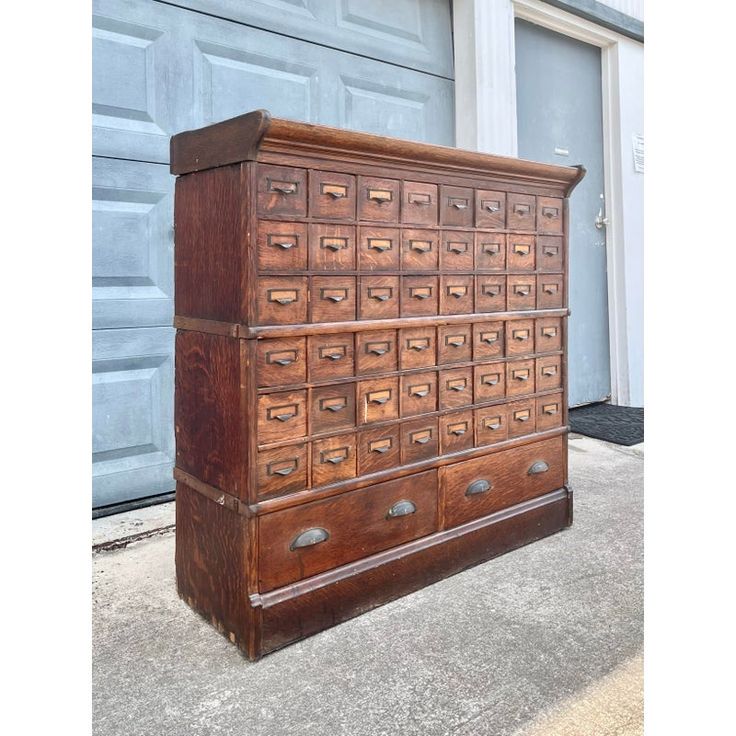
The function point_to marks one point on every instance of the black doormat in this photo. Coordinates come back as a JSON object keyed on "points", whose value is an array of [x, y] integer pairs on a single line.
{"points": [[623, 425]]}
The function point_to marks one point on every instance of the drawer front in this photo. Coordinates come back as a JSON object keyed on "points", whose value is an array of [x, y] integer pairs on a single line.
{"points": [[281, 191], [491, 425], [521, 292], [520, 377], [417, 347], [488, 340], [522, 417], [456, 432], [344, 528], [456, 294], [489, 381], [549, 412], [456, 388], [378, 400], [420, 250], [490, 208], [281, 361], [333, 460], [282, 246], [419, 203], [331, 195], [454, 344], [418, 393], [282, 416], [282, 300], [549, 253], [549, 291], [376, 352], [549, 215], [521, 213], [419, 296], [419, 440], [490, 251], [330, 356], [378, 199], [549, 372], [548, 334], [379, 297], [332, 408], [479, 487], [378, 449], [456, 206], [456, 251], [521, 253], [379, 249], [332, 247], [519, 337], [282, 470], [490, 293], [333, 298]]}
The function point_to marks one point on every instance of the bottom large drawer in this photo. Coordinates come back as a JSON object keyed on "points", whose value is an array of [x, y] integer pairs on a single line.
{"points": [[305, 540], [475, 488]]}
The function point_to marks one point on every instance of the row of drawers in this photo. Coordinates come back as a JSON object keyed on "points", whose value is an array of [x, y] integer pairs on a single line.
{"points": [[294, 360], [301, 299], [287, 415], [302, 541], [298, 193], [298, 246]]}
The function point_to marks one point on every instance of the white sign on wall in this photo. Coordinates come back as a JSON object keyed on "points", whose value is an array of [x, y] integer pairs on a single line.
{"points": [[638, 144]]}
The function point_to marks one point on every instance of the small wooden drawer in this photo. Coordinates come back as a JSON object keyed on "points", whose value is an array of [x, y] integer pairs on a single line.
{"points": [[454, 344], [332, 247], [378, 249], [418, 393], [305, 540], [521, 253], [548, 334], [549, 412], [330, 356], [521, 292], [520, 377], [379, 297], [331, 195], [419, 203], [490, 293], [488, 340], [522, 417], [456, 251], [420, 250], [521, 211], [490, 251], [456, 388], [489, 382], [491, 425], [519, 337], [419, 296], [332, 408], [378, 199], [281, 191], [549, 215], [333, 298], [376, 352], [456, 294], [479, 487], [378, 400], [549, 372], [282, 246], [549, 291], [378, 449], [334, 459], [282, 300], [281, 361], [490, 208], [456, 206], [282, 470], [456, 432], [549, 253], [282, 416], [417, 347], [419, 440]]}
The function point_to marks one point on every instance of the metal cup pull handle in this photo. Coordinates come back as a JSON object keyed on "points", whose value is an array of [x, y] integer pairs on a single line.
{"points": [[381, 297], [459, 204], [284, 361], [378, 398], [285, 471], [336, 297], [336, 194], [381, 449], [401, 508], [380, 195], [380, 245], [478, 486], [377, 350], [418, 346], [284, 244], [492, 207], [457, 247], [334, 356], [285, 417], [283, 187], [421, 392], [309, 538], [458, 431], [538, 467], [336, 459], [421, 440]]}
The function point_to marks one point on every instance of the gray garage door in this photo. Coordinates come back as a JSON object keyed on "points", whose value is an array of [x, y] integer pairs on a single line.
{"points": [[383, 66]]}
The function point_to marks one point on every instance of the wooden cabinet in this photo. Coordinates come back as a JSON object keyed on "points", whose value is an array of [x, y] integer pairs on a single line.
{"points": [[370, 373]]}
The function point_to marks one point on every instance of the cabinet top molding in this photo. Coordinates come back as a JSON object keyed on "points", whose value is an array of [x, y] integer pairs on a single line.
{"points": [[246, 137]]}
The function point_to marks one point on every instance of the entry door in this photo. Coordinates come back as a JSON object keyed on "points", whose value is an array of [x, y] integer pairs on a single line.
{"points": [[559, 113]]}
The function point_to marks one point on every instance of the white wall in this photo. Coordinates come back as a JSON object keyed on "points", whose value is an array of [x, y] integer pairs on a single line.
{"points": [[634, 8]]}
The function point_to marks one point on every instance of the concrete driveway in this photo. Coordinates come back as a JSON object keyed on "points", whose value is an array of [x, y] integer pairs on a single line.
{"points": [[544, 641]]}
